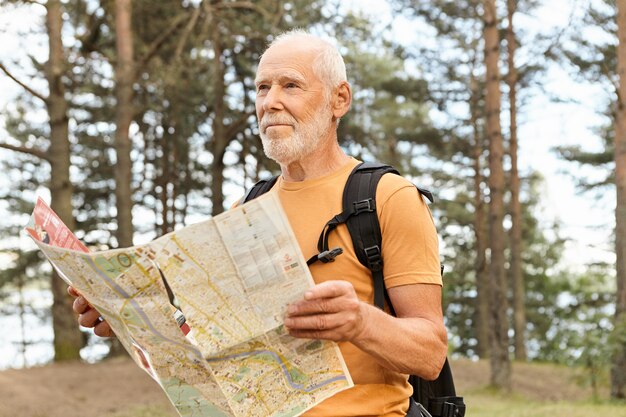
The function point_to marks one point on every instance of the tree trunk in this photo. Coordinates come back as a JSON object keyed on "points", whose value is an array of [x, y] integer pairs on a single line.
{"points": [[392, 152], [22, 315], [519, 293], [67, 337], [618, 368], [220, 141], [124, 111], [499, 355], [165, 180], [481, 322]]}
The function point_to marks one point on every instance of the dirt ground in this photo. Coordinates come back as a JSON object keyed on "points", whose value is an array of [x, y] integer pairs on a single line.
{"points": [[78, 390], [111, 387]]}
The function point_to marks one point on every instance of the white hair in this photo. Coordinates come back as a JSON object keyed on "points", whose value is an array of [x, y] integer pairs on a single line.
{"points": [[328, 65]]}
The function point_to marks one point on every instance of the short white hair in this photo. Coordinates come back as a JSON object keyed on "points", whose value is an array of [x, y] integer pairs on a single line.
{"points": [[328, 65]]}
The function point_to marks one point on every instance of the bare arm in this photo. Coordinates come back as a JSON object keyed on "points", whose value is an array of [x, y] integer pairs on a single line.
{"points": [[414, 342]]}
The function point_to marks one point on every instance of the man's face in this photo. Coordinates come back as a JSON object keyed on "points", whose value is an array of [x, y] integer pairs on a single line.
{"points": [[292, 106]]}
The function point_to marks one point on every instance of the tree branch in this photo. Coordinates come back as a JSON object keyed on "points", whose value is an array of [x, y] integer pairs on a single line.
{"points": [[186, 33], [245, 5], [34, 2], [158, 42], [278, 17], [238, 125], [30, 151], [24, 86]]}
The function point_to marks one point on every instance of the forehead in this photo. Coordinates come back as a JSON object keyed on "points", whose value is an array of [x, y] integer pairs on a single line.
{"points": [[287, 61]]}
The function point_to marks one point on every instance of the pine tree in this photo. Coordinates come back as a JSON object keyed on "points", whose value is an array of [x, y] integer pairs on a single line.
{"points": [[618, 369], [67, 337], [499, 340], [519, 309]]}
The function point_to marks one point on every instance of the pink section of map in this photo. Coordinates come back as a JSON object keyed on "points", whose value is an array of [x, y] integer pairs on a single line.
{"points": [[48, 228]]}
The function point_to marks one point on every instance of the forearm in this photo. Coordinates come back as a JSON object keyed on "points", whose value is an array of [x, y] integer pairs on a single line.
{"points": [[411, 345]]}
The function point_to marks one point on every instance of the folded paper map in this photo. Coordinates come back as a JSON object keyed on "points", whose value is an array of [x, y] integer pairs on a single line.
{"points": [[232, 277]]}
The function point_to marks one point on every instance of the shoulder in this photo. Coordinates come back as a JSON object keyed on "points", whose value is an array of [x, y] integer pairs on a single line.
{"points": [[397, 197], [393, 187], [393, 182]]}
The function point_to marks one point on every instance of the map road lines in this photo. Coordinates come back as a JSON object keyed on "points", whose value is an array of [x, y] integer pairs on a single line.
{"points": [[233, 276]]}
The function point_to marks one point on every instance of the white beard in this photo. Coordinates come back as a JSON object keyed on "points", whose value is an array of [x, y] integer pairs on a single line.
{"points": [[302, 142]]}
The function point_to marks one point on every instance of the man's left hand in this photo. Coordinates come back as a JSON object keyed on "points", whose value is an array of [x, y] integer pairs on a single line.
{"points": [[330, 310]]}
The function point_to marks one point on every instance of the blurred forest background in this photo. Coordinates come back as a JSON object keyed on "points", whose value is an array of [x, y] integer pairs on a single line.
{"points": [[138, 117]]}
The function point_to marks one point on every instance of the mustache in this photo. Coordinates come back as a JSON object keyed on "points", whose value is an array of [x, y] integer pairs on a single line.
{"points": [[276, 119]]}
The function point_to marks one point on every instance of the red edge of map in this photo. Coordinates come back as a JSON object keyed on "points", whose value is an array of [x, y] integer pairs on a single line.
{"points": [[47, 227]]}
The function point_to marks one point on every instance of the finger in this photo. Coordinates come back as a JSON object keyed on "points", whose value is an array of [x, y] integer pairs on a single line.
{"points": [[103, 329], [329, 289], [72, 291], [80, 305], [311, 334], [322, 306], [89, 318], [316, 322], [336, 335]]}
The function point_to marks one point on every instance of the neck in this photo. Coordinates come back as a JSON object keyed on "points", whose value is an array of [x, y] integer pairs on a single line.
{"points": [[325, 160]]}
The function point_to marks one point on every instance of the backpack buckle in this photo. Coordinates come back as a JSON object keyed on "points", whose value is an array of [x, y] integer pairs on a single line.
{"points": [[445, 408], [374, 257], [449, 410], [329, 255], [364, 206]]}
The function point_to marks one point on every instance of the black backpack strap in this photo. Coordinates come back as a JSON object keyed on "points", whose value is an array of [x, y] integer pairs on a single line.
{"points": [[426, 193], [359, 205], [438, 396], [259, 188], [359, 197], [360, 216], [425, 392]]}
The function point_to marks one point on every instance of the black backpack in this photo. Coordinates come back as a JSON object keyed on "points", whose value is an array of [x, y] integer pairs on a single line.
{"points": [[359, 214]]}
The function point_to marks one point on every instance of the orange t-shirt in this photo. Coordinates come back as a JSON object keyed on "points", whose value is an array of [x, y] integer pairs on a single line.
{"points": [[410, 253]]}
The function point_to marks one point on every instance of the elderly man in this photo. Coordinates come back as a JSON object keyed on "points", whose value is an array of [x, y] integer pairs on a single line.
{"points": [[302, 92]]}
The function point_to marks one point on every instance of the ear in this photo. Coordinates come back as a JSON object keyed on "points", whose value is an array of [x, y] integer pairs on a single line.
{"points": [[341, 100]]}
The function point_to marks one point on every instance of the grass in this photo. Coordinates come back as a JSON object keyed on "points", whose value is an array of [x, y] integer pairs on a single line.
{"points": [[540, 390], [488, 403]]}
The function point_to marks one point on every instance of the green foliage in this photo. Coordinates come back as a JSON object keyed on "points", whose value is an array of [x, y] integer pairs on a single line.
{"points": [[177, 91], [27, 175], [21, 267], [591, 56], [601, 160], [542, 252], [454, 67], [389, 115], [591, 48], [578, 322]]}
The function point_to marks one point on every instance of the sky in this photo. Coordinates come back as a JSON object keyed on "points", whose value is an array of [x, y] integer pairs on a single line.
{"points": [[585, 222]]}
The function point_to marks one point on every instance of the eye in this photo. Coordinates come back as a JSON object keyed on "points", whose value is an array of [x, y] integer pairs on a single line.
{"points": [[262, 88], [291, 85]]}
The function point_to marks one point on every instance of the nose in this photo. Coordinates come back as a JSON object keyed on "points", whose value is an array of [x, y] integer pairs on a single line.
{"points": [[272, 100]]}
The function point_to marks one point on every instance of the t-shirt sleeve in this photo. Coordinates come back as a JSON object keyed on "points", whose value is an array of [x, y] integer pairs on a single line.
{"points": [[410, 244]]}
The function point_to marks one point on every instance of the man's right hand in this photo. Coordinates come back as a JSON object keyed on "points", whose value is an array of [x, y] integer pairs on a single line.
{"points": [[89, 316]]}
